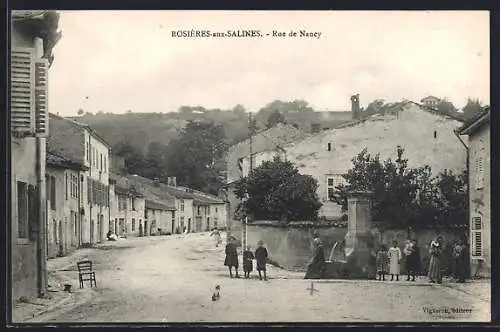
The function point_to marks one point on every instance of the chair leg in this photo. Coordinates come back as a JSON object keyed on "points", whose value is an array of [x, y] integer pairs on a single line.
{"points": [[81, 282]]}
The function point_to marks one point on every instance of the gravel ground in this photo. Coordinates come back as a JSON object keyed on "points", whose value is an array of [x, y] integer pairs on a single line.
{"points": [[171, 279]]}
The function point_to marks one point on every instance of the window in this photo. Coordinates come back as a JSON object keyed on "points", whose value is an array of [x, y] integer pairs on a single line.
{"points": [[133, 204], [87, 155], [199, 210], [477, 238], [133, 224], [329, 146], [22, 210], [100, 165], [332, 181], [105, 164], [66, 185], [53, 193], [182, 205], [208, 210], [73, 223], [479, 173], [215, 222]]}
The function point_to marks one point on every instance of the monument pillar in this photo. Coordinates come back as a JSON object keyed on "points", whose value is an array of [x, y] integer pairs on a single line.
{"points": [[359, 239]]}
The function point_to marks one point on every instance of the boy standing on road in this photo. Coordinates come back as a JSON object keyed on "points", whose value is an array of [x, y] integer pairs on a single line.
{"points": [[261, 256], [248, 262]]}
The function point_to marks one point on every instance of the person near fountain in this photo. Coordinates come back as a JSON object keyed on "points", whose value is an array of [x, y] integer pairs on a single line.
{"points": [[248, 261], [460, 257], [231, 256], [382, 262], [395, 261], [436, 251], [412, 254], [261, 256], [317, 266]]}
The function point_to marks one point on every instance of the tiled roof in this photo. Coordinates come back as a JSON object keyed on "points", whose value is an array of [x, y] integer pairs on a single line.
{"points": [[56, 160], [159, 206], [475, 123]]}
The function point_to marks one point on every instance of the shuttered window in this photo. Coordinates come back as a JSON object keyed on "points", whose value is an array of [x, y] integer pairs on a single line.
{"points": [[22, 210], [332, 181], [32, 213], [477, 238], [41, 97], [22, 118], [479, 173], [52, 193]]}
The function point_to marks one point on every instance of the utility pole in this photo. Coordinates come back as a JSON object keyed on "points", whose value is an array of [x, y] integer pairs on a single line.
{"points": [[251, 132]]}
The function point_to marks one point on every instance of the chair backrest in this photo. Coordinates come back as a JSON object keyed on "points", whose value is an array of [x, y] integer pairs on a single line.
{"points": [[84, 266]]}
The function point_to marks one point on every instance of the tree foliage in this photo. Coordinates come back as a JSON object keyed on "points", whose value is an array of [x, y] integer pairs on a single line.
{"points": [[194, 157], [277, 191], [472, 108], [404, 196], [274, 119]]}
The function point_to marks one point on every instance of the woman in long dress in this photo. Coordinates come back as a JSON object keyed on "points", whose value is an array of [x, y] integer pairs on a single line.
{"points": [[395, 260], [231, 257], [460, 255], [436, 250], [217, 238], [317, 267]]}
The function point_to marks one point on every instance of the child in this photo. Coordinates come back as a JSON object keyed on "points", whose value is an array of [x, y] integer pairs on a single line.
{"points": [[261, 258], [248, 262], [382, 262], [395, 260], [231, 257]]}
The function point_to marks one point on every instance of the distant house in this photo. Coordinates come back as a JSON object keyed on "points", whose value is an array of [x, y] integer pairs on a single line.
{"points": [[270, 141], [160, 217], [128, 208], [81, 144], [33, 36], [64, 201], [430, 101], [426, 135], [478, 130]]}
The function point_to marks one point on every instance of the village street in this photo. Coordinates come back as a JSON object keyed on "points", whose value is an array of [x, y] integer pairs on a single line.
{"points": [[171, 278]]}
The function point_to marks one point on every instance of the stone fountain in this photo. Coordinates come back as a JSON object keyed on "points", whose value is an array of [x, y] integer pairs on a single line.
{"points": [[353, 259]]}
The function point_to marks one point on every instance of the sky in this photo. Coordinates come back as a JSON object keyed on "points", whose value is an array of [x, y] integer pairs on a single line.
{"points": [[114, 61]]}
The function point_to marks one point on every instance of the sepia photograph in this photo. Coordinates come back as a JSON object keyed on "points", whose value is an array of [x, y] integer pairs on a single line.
{"points": [[249, 166]]}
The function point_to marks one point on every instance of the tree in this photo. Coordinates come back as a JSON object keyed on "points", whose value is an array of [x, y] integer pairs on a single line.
{"points": [[239, 109], [447, 107], [193, 156], [403, 196], [80, 112], [274, 119], [472, 108], [134, 158], [277, 191]]}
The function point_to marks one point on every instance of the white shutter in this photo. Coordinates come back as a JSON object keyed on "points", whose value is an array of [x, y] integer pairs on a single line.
{"points": [[22, 117], [477, 238], [41, 97]]}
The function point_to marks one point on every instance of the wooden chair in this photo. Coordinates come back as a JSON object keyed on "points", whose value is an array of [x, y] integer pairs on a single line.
{"points": [[85, 273]]}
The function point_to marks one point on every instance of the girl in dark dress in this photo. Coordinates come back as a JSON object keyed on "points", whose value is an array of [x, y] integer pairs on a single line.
{"points": [[317, 267], [261, 256], [248, 262], [460, 255], [231, 257], [412, 260]]}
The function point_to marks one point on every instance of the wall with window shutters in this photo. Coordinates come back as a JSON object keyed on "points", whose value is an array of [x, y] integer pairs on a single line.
{"points": [[480, 201], [23, 154]]}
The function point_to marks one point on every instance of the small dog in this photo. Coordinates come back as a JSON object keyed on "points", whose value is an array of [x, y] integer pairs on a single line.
{"points": [[216, 294]]}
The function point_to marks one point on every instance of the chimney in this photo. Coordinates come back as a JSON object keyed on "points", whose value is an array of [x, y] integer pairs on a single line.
{"points": [[356, 112], [172, 181]]}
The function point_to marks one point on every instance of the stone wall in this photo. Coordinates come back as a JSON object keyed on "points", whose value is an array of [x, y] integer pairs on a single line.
{"points": [[291, 247]]}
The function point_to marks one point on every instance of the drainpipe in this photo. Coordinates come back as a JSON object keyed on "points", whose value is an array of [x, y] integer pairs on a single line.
{"points": [[41, 256], [80, 180]]}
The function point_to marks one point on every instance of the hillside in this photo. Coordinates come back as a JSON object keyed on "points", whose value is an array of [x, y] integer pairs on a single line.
{"points": [[140, 129]]}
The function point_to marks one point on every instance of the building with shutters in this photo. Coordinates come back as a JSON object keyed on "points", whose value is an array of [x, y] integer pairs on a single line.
{"points": [[64, 199], [81, 144], [478, 130], [33, 35]]}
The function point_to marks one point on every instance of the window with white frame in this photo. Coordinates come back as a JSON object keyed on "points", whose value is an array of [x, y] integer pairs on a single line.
{"points": [[332, 181], [477, 238], [182, 205]]}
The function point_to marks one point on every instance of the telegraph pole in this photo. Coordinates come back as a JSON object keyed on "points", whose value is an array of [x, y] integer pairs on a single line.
{"points": [[251, 132]]}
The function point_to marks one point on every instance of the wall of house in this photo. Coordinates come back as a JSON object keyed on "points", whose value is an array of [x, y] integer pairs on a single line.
{"points": [[292, 248], [183, 217], [62, 231], [218, 213], [23, 168], [480, 199], [428, 139], [24, 263], [113, 209]]}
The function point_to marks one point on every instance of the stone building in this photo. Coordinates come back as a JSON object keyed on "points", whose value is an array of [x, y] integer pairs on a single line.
{"points": [[33, 36], [81, 144], [478, 130], [64, 201], [426, 135]]}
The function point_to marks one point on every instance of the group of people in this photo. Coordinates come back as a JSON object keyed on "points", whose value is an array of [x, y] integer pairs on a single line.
{"points": [[388, 261], [261, 256]]}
